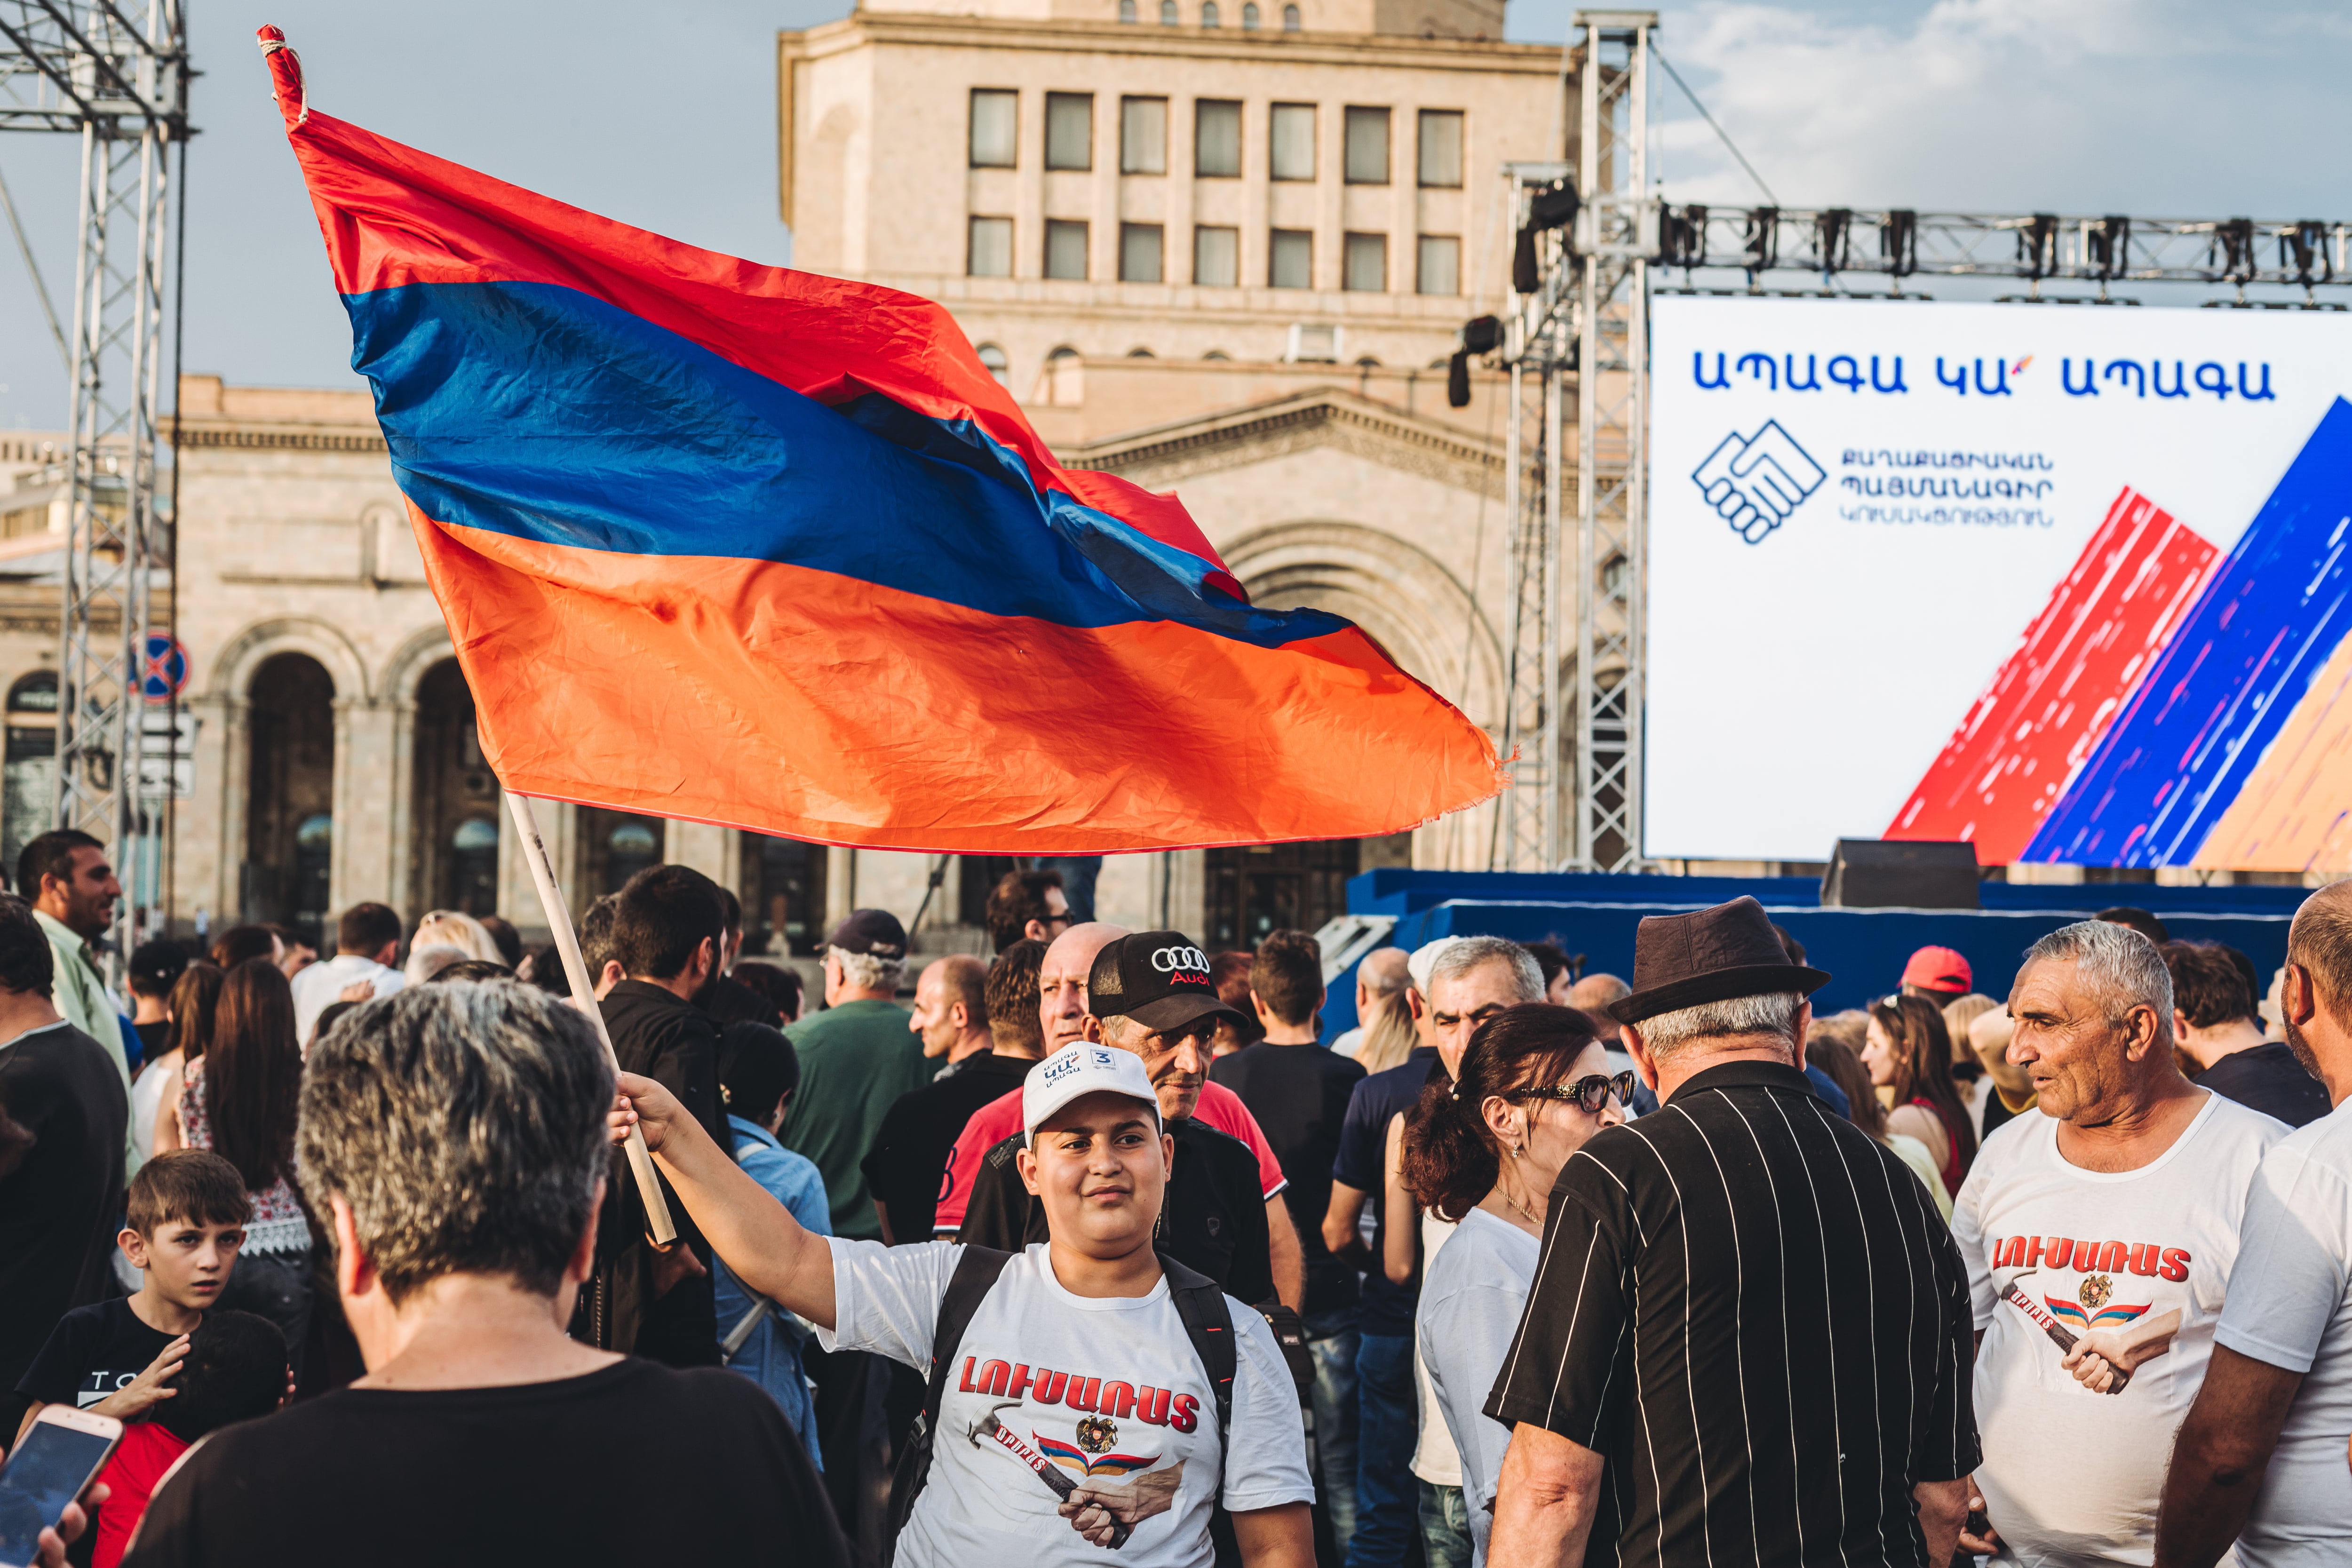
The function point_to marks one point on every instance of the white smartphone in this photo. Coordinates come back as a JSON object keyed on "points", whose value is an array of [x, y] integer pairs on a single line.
{"points": [[61, 1456]]}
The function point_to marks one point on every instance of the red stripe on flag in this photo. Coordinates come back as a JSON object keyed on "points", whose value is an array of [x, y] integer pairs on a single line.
{"points": [[777, 698], [2033, 726]]}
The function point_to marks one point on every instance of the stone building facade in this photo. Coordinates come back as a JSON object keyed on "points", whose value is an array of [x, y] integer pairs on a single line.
{"points": [[1221, 252]]}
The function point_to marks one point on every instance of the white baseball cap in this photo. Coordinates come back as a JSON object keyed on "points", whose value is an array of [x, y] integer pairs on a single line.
{"points": [[1424, 961], [1073, 1071]]}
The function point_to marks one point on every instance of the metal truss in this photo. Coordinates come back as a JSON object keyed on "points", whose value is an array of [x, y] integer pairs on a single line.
{"points": [[1573, 715], [1614, 236], [1527, 818], [2037, 247], [117, 75]]}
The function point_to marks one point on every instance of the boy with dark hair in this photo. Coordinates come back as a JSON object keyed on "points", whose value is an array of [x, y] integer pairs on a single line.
{"points": [[188, 1210], [665, 937], [235, 1371]]}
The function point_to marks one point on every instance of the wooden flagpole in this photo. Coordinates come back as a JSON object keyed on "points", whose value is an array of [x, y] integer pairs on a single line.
{"points": [[583, 997]]}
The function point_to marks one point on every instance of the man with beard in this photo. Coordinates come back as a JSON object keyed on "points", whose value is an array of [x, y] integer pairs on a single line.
{"points": [[2261, 1459]]}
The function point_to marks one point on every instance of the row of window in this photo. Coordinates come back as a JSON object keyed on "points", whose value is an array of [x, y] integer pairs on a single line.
{"points": [[1209, 15], [1216, 256], [1217, 150]]}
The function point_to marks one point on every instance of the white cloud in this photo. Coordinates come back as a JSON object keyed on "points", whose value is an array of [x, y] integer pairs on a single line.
{"points": [[2150, 106]]}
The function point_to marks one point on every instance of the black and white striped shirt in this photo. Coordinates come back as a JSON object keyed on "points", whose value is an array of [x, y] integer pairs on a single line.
{"points": [[1753, 1313]]}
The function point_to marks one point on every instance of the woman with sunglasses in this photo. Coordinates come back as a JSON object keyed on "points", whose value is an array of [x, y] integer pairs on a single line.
{"points": [[1483, 1151]]}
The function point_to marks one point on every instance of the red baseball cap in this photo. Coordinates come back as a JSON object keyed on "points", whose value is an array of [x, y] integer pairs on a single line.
{"points": [[1937, 969]]}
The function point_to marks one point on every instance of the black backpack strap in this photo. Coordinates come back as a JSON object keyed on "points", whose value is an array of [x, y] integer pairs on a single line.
{"points": [[1209, 1324], [975, 1275]]}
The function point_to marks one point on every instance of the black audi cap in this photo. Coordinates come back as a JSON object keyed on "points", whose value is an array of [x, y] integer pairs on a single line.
{"points": [[1158, 978]]}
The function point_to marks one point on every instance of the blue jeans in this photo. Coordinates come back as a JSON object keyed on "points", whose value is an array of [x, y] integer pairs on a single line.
{"points": [[1332, 1340], [1388, 1497], [1445, 1527]]}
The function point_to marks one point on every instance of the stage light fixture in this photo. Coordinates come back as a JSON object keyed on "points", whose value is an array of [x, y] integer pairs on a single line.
{"points": [[1552, 207], [1761, 244], [2110, 243], [1898, 242], [1480, 335], [1682, 236]]}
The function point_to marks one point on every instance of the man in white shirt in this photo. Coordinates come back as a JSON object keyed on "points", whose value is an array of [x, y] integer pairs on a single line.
{"points": [[1076, 1412], [2261, 1457], [2099, 1237], [367, 942]]}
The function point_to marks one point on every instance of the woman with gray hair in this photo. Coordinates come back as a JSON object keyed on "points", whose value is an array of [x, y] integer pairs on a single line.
{"points": [[452, 1143]]}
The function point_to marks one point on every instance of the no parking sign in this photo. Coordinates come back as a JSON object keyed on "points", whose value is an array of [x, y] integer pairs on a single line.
{"points": [[166, 672]]}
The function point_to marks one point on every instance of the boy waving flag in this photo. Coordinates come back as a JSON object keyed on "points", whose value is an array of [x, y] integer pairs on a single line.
{"points": [[793, 527]]}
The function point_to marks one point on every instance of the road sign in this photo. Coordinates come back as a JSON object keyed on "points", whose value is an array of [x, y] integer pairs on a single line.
{"points": [[167, 668]]}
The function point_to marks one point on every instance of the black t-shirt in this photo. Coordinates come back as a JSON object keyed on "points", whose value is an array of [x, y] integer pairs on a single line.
{"points": [[1212, 1217], [907, 1168], [1299, 1095], [1997, 1113], [2268, 1078], [62, 1115], [658, 1035], [630, 1465], [96, 1351], [153, 1038]]}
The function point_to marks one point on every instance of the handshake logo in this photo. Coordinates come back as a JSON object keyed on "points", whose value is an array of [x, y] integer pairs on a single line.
{"points": [[1757, 481]]}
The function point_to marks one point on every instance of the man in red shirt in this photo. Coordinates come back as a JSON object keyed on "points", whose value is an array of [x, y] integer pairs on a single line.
{"points": [[1061, 1009]]}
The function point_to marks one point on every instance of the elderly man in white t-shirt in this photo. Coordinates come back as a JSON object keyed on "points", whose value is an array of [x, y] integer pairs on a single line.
{"points": [[1076, 1412], [2262, 1456], [2099, 1237]]}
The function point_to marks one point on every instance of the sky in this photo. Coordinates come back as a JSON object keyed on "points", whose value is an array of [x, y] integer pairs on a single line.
{"points": [[2156, 107]]}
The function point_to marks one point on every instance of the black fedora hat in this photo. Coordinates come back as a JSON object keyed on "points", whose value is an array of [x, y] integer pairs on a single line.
{"points": [[1709, 955]]}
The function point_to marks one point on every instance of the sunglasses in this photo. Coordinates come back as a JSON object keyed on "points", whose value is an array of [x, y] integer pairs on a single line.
{"points": [[1591, 1095]]}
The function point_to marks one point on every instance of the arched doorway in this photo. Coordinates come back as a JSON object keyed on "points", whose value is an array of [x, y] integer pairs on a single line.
{"points": [[290, 798], [782, 882], [615, 846], [454, 842], [28, 778]]}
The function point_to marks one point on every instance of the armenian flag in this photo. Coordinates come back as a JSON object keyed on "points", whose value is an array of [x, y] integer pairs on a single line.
{"points": [[739, 544]]}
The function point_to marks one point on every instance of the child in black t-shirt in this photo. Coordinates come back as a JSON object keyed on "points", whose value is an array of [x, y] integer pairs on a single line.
{"points": [[188, 1210]]}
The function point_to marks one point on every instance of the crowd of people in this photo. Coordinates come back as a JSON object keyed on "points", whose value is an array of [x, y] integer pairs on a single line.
{"points": [[1098, 1248]]}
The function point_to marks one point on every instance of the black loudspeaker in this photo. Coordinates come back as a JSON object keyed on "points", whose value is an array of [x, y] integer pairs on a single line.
{"points": [[1878, 874]]}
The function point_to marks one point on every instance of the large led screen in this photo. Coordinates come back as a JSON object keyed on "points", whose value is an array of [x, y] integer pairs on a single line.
{"points": [[2067, 581]]}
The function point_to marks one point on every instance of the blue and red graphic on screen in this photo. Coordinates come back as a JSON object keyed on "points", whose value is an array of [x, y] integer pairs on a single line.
{"points": [[739, 544], [2171, 706]]}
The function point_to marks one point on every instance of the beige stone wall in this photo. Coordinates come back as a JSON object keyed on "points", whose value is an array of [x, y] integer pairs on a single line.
{"points": [[874, 139]]}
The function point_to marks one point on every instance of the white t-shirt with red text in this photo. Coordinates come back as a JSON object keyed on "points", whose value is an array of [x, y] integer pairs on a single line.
{"points": [[1102, 1392], [2069, 1476]]}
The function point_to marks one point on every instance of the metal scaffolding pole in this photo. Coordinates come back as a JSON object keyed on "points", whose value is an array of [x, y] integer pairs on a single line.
{"points": [[1536, 347], [1616, 234], [87, 65]]}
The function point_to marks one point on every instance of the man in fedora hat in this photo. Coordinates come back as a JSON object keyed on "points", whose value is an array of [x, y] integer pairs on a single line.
{"points": [[1748, 1312]]}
